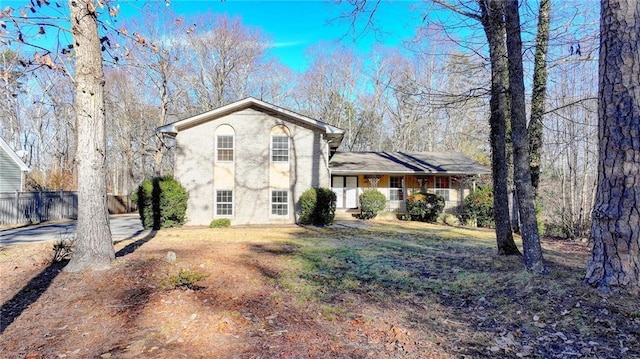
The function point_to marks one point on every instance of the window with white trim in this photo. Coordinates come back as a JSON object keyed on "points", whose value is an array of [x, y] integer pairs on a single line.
{"points": [[280, 148], [442, 187], [279, 203], [396, 192], [224, 148], [224, 202]]}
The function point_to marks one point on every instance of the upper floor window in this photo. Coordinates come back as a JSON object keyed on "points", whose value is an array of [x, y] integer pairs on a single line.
{"points": [[280, 148], [224, 143], [224, 148]]}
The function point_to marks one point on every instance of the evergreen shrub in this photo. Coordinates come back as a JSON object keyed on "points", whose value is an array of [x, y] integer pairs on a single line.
{"points": [[220, 223], [424, 207], [306, 206], [478, 207], [325, 211], [317, 206], [162, 202], [372, 201]]}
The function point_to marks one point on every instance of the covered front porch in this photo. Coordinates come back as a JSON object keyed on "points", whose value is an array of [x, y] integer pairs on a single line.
{"points": [[398, 175], [397, 187]]}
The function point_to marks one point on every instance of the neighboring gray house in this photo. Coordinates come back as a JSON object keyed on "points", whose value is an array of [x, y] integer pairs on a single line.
{"points": [[12, 169], [250, 161]]}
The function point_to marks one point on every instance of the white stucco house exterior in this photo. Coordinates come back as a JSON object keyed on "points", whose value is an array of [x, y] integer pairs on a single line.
{"points": [[250, 161]]}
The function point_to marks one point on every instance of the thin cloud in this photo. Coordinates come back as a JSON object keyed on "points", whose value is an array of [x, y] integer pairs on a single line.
{"points": [[281, 44]]}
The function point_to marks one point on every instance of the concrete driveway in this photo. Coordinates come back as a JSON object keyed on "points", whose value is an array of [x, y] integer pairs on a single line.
{"points": [[123, 226]]}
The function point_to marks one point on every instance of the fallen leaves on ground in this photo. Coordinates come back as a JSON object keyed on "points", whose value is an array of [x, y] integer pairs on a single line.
{"points": [[389, 290]]}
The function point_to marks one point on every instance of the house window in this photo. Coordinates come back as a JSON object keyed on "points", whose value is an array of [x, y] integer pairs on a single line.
{"points": [[279, 203], [444, 193], [442, 187], [224, 146], [279, 148], [442, 182], [224, 203], [395, 189]]}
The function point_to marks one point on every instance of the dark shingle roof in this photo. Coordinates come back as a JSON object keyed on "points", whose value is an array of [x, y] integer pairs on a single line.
{"points": [[333, 134], [404, 163]]}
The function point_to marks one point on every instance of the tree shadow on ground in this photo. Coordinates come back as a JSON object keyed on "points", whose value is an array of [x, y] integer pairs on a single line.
{"points": [[28, 295], [38, 285], [133, 246], [424, 273]]}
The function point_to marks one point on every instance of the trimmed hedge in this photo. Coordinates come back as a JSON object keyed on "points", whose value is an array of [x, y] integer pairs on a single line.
{"points": [[317, 206], [162, 202], [424, 207], [306, 206], [478, 207], [220, 223], [372, 201]]}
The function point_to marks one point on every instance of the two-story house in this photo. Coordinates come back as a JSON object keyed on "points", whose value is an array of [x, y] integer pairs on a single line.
{"points": [[250, 161]]}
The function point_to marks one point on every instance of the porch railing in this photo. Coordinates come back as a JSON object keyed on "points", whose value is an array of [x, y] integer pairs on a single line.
{"points": [[394, 205]]}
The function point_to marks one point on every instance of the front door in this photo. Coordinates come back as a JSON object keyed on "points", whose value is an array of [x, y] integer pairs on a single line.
{"points": [[346, 189], [351, 192]]}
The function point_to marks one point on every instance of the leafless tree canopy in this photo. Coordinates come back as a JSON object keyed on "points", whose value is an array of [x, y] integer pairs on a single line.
{"points": [[431, 94]]}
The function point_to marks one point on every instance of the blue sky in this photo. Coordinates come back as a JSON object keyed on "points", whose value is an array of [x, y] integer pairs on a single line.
{"points": [[295, 26]]}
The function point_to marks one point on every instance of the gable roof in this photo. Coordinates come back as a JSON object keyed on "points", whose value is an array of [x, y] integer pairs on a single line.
{"points": [[14, 157], [404, 163], [334, 134]]}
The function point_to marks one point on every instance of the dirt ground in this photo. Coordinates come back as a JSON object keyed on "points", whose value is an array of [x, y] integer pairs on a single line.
{"points": [[388, 290]]}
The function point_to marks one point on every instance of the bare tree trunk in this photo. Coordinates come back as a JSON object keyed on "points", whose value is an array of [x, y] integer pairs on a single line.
{"points": [[493, 24], [615, 260], [566, 223], [522, 171], [163, 68], [572, 160], [94, 246], [538, 94]]}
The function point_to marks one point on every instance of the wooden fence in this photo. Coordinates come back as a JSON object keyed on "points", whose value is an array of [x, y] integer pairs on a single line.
{"points": [[36, 207]]}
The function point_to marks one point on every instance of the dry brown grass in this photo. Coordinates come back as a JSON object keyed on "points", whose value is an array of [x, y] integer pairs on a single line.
{"points": [[390, 290]]}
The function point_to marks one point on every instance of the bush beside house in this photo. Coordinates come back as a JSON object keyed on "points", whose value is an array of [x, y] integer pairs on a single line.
{"points": [[306, 206], [424, 207], [162, 202], [317, 206], [372, 201], [220, 223], [478, 207]]}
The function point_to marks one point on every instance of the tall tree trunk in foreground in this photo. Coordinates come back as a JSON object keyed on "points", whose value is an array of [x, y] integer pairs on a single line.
{"points": [[493, 23], [94, 246], [615, 230], [538, 94], [522, 171]]}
